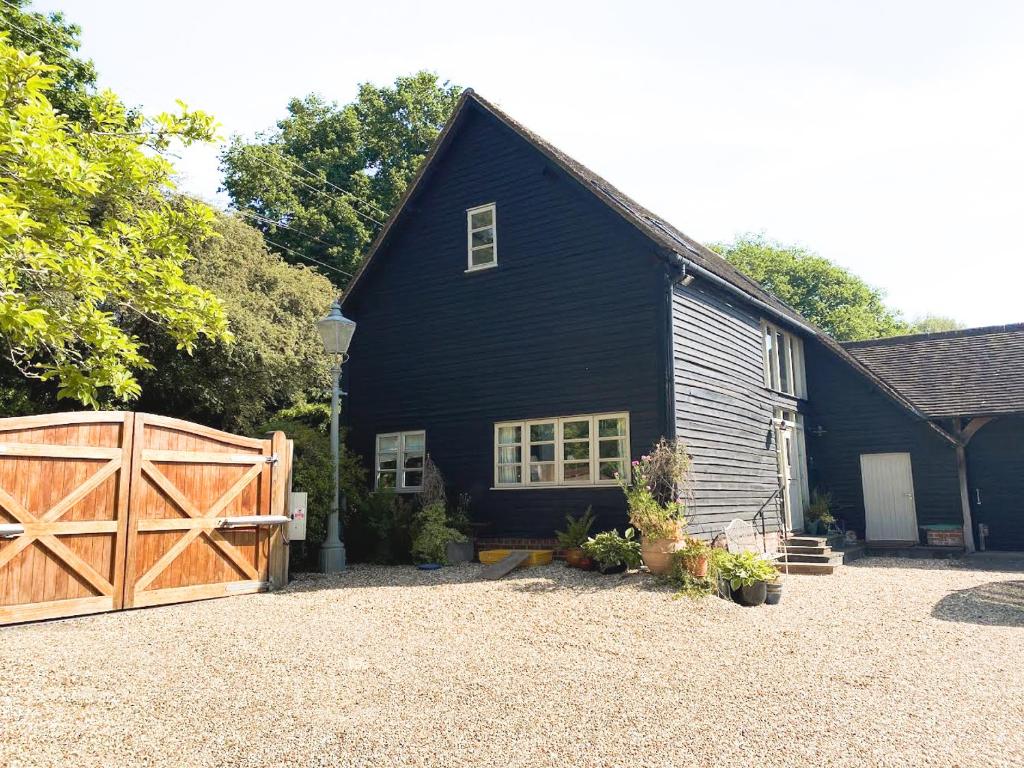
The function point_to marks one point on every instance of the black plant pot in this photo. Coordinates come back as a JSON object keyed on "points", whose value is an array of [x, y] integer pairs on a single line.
{"points": [[607, 570], [774, 593], [724, 590], [751, 596]]}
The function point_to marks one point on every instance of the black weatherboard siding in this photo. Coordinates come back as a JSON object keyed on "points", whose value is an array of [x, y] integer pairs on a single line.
{"points": [[723, 409], [855, 418], [995, 471], [569, 322]]}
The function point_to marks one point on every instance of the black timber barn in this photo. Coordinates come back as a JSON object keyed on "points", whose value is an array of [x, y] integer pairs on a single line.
{"points": [[532, 329]]}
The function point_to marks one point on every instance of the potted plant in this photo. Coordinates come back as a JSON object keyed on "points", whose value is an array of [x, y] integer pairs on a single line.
{"points": [[773, 592], [460, 551], [613, 553], [695, 556], [748, 574], [655, 497], [819, 513], [432, 535], [571, 540]]}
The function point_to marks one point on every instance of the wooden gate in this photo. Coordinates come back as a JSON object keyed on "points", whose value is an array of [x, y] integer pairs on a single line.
{"points": [[103, 511]]}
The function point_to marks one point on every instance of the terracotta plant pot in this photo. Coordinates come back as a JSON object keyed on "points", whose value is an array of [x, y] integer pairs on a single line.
{"points": [[573, 556], [586, 564], [657, 555], [696, 566]]}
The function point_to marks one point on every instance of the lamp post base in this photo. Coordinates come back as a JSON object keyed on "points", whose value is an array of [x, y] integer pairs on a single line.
{"points": [[332, 559]]}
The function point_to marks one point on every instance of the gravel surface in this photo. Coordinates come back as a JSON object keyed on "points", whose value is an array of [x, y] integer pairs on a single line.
{"points": [[886, 663]]}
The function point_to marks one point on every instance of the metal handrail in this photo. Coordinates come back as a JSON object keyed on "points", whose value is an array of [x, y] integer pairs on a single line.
{"points": [[760, 513]]}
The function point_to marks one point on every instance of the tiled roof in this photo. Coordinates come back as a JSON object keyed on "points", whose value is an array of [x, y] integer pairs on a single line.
{"points": [[976, 372]]}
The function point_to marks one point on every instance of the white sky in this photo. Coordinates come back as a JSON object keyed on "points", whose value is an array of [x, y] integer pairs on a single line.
{"points": [[887, 136]]}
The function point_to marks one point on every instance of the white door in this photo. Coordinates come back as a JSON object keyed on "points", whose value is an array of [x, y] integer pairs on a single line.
{"points": [[889, 512], [792, 466]]}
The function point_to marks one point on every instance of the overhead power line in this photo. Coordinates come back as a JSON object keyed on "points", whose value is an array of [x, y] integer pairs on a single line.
{"points": [[29, 34], [274, 223], [299, 255], [328, 182]]}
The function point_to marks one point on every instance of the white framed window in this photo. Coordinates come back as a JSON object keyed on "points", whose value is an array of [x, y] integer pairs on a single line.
{"points": [[482, 237], [590, 449], [783, 361], [399, 460]]}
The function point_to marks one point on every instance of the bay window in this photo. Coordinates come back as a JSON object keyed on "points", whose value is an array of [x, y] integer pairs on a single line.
{"points": [[562, 451]]}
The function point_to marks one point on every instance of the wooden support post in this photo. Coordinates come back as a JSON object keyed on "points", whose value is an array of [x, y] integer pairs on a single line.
{"points": [[281, 486], [965, 498]]}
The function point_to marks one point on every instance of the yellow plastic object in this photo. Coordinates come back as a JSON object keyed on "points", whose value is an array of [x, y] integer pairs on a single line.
{"points": [[537, 556]]}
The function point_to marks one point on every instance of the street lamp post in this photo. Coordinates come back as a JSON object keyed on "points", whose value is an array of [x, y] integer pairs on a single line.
{"points": [[336, 331]]}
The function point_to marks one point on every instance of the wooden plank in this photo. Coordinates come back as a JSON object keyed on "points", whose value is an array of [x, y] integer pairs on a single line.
{"points": [[136, 492], [70, 527], [16, 423], [199, 429], [121, 511], [281, 487], [201, 457], [58, 451], [53, 609], [506, 565], [80, 566], [168, 557]]}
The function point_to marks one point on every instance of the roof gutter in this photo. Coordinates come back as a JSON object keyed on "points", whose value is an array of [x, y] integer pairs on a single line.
{"points": [[711, 277]]}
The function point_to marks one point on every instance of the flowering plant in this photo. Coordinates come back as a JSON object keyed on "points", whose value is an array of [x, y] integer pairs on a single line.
{"points": [[657, 493]]}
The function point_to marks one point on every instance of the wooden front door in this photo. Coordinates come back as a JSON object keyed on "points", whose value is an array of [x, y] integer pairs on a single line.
{"points": [[63, 514], [889, 510], [103, 511]]}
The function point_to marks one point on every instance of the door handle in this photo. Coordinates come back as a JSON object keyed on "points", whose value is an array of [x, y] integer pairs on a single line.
{"points": [[977, 496]]}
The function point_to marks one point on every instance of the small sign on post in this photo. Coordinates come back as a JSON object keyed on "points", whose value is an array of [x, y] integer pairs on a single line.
{"points": [[297, 513]]}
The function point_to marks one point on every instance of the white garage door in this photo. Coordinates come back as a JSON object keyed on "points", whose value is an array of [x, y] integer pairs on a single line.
{"points": [[889, 511]]}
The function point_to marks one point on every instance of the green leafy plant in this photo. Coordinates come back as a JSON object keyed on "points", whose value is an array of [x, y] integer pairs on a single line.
{"points": [[576, 530], [657, 491], [432, 534], [609, 549], [458, 517], [820, 508], [743, 569]]}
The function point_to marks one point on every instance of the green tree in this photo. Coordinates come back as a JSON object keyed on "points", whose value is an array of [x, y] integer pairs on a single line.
{"points": [[57, 42], [276, 357], [934, 324], [91, 236], [361, 155], [829, 296]]}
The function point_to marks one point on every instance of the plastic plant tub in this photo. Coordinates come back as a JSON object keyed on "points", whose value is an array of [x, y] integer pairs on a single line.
{"points": [[537, 556]]}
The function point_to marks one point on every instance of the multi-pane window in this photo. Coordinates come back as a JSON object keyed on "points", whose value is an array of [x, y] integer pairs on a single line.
{"points": [[482, 237], [567, 450], [783, 361], [400, 457]]}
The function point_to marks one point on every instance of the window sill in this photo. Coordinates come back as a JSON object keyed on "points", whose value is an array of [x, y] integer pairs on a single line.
{"points": [[543, 487], [482, 268], [400, 490]]}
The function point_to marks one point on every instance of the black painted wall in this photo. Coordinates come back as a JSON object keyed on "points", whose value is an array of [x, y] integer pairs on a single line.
{"points": [[572, 321], [995, 473], [723, 409], [857, 418]]}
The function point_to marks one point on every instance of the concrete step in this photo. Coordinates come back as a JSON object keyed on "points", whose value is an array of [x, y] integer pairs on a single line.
{"points": [[833, 558], [807, 541], [820, 569], [800, 550]]}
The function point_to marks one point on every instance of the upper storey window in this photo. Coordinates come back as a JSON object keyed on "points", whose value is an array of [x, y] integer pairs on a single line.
{"points": [[783, 361], [482, 237]]}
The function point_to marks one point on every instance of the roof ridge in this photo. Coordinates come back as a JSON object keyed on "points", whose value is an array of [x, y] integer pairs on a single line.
{"points": [[912, 337]]}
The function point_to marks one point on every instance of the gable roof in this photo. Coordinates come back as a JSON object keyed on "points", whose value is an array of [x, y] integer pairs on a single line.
{"points": [[975, 372], [673, 245]]}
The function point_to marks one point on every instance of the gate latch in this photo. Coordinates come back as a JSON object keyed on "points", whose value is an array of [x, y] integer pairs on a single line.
{"points": [[272, 459]]}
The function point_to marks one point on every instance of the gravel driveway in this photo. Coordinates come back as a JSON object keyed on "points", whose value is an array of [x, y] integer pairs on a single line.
{"points": [[886, 663]]}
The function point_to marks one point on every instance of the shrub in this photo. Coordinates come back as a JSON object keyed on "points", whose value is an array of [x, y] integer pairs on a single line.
{"points": [[820, 507], [432, 535], [658, 491], [576, 530], [609, 549]]}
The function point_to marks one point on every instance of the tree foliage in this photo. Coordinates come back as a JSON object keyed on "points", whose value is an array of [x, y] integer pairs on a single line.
{"points": [[276, 357], [934, 324], [90, 235], [361, 155], [829, 296], [56, 42]]}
